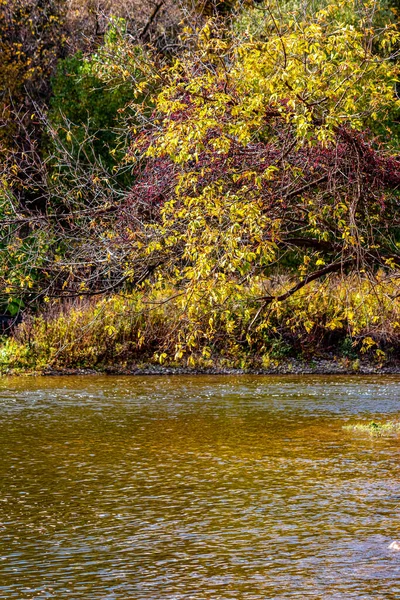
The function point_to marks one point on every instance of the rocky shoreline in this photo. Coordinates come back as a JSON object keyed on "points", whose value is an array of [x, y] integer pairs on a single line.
{"points": [[286, 367]]}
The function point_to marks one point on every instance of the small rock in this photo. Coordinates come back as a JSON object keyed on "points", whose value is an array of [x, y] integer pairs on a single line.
{"points": [[394, 546]]}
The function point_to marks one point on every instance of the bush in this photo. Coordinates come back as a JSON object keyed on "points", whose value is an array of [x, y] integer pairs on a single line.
{"points": [[85, 109], [160, 328]]}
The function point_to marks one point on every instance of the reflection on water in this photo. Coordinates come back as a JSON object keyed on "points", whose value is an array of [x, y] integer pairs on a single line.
{"points": [[203, 488]]}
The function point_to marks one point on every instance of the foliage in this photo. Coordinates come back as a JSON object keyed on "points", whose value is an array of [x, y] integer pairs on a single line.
{"points": [[156, 328], [88, 334], [31, 41], [146, 21], [86, 111], [255, 19], [375, 429], [270, 162], [231, 177], [82, 178], [21, 255]]}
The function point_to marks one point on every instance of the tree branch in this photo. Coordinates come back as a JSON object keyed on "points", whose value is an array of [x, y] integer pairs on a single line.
{"points": [[332, 268], [151, 19]]}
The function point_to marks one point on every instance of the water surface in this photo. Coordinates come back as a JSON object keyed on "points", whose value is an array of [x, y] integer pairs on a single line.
{"points": [[202, 488]]}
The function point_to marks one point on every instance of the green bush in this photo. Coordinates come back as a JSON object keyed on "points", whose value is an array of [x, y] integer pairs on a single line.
{"points": [[87, 107]]}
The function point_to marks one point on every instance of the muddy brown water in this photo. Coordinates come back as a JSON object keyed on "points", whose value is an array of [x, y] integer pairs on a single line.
{"points": [[197, 488]]}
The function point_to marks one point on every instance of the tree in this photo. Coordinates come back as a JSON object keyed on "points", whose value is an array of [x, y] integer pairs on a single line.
{"points": [[264, 156], [253, 156], [64, 245]]}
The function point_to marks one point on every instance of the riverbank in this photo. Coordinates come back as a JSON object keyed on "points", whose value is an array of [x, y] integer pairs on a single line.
{"points": [[325, 366], [342, 326]]}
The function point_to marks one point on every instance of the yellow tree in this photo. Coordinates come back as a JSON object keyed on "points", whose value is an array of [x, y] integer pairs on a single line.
{"points": [[263, 156]]}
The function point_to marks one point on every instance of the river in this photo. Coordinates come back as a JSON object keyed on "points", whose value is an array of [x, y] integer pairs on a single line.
{"points": [[197, 488]]}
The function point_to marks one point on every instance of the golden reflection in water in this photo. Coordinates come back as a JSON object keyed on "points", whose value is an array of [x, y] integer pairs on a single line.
{"points": [[200, 488]]}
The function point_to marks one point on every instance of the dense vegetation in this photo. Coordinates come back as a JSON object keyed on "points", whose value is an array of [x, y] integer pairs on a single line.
{"points": [[209, 183]]}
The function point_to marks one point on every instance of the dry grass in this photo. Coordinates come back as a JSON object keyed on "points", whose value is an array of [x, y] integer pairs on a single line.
{"points": [[347, 318]]}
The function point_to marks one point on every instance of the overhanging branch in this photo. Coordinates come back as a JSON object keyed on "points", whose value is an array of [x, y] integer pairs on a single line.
{"points": [[332, 268]]}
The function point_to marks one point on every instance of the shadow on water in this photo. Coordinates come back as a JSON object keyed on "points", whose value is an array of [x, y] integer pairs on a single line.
{"points": [[200, 488]]}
